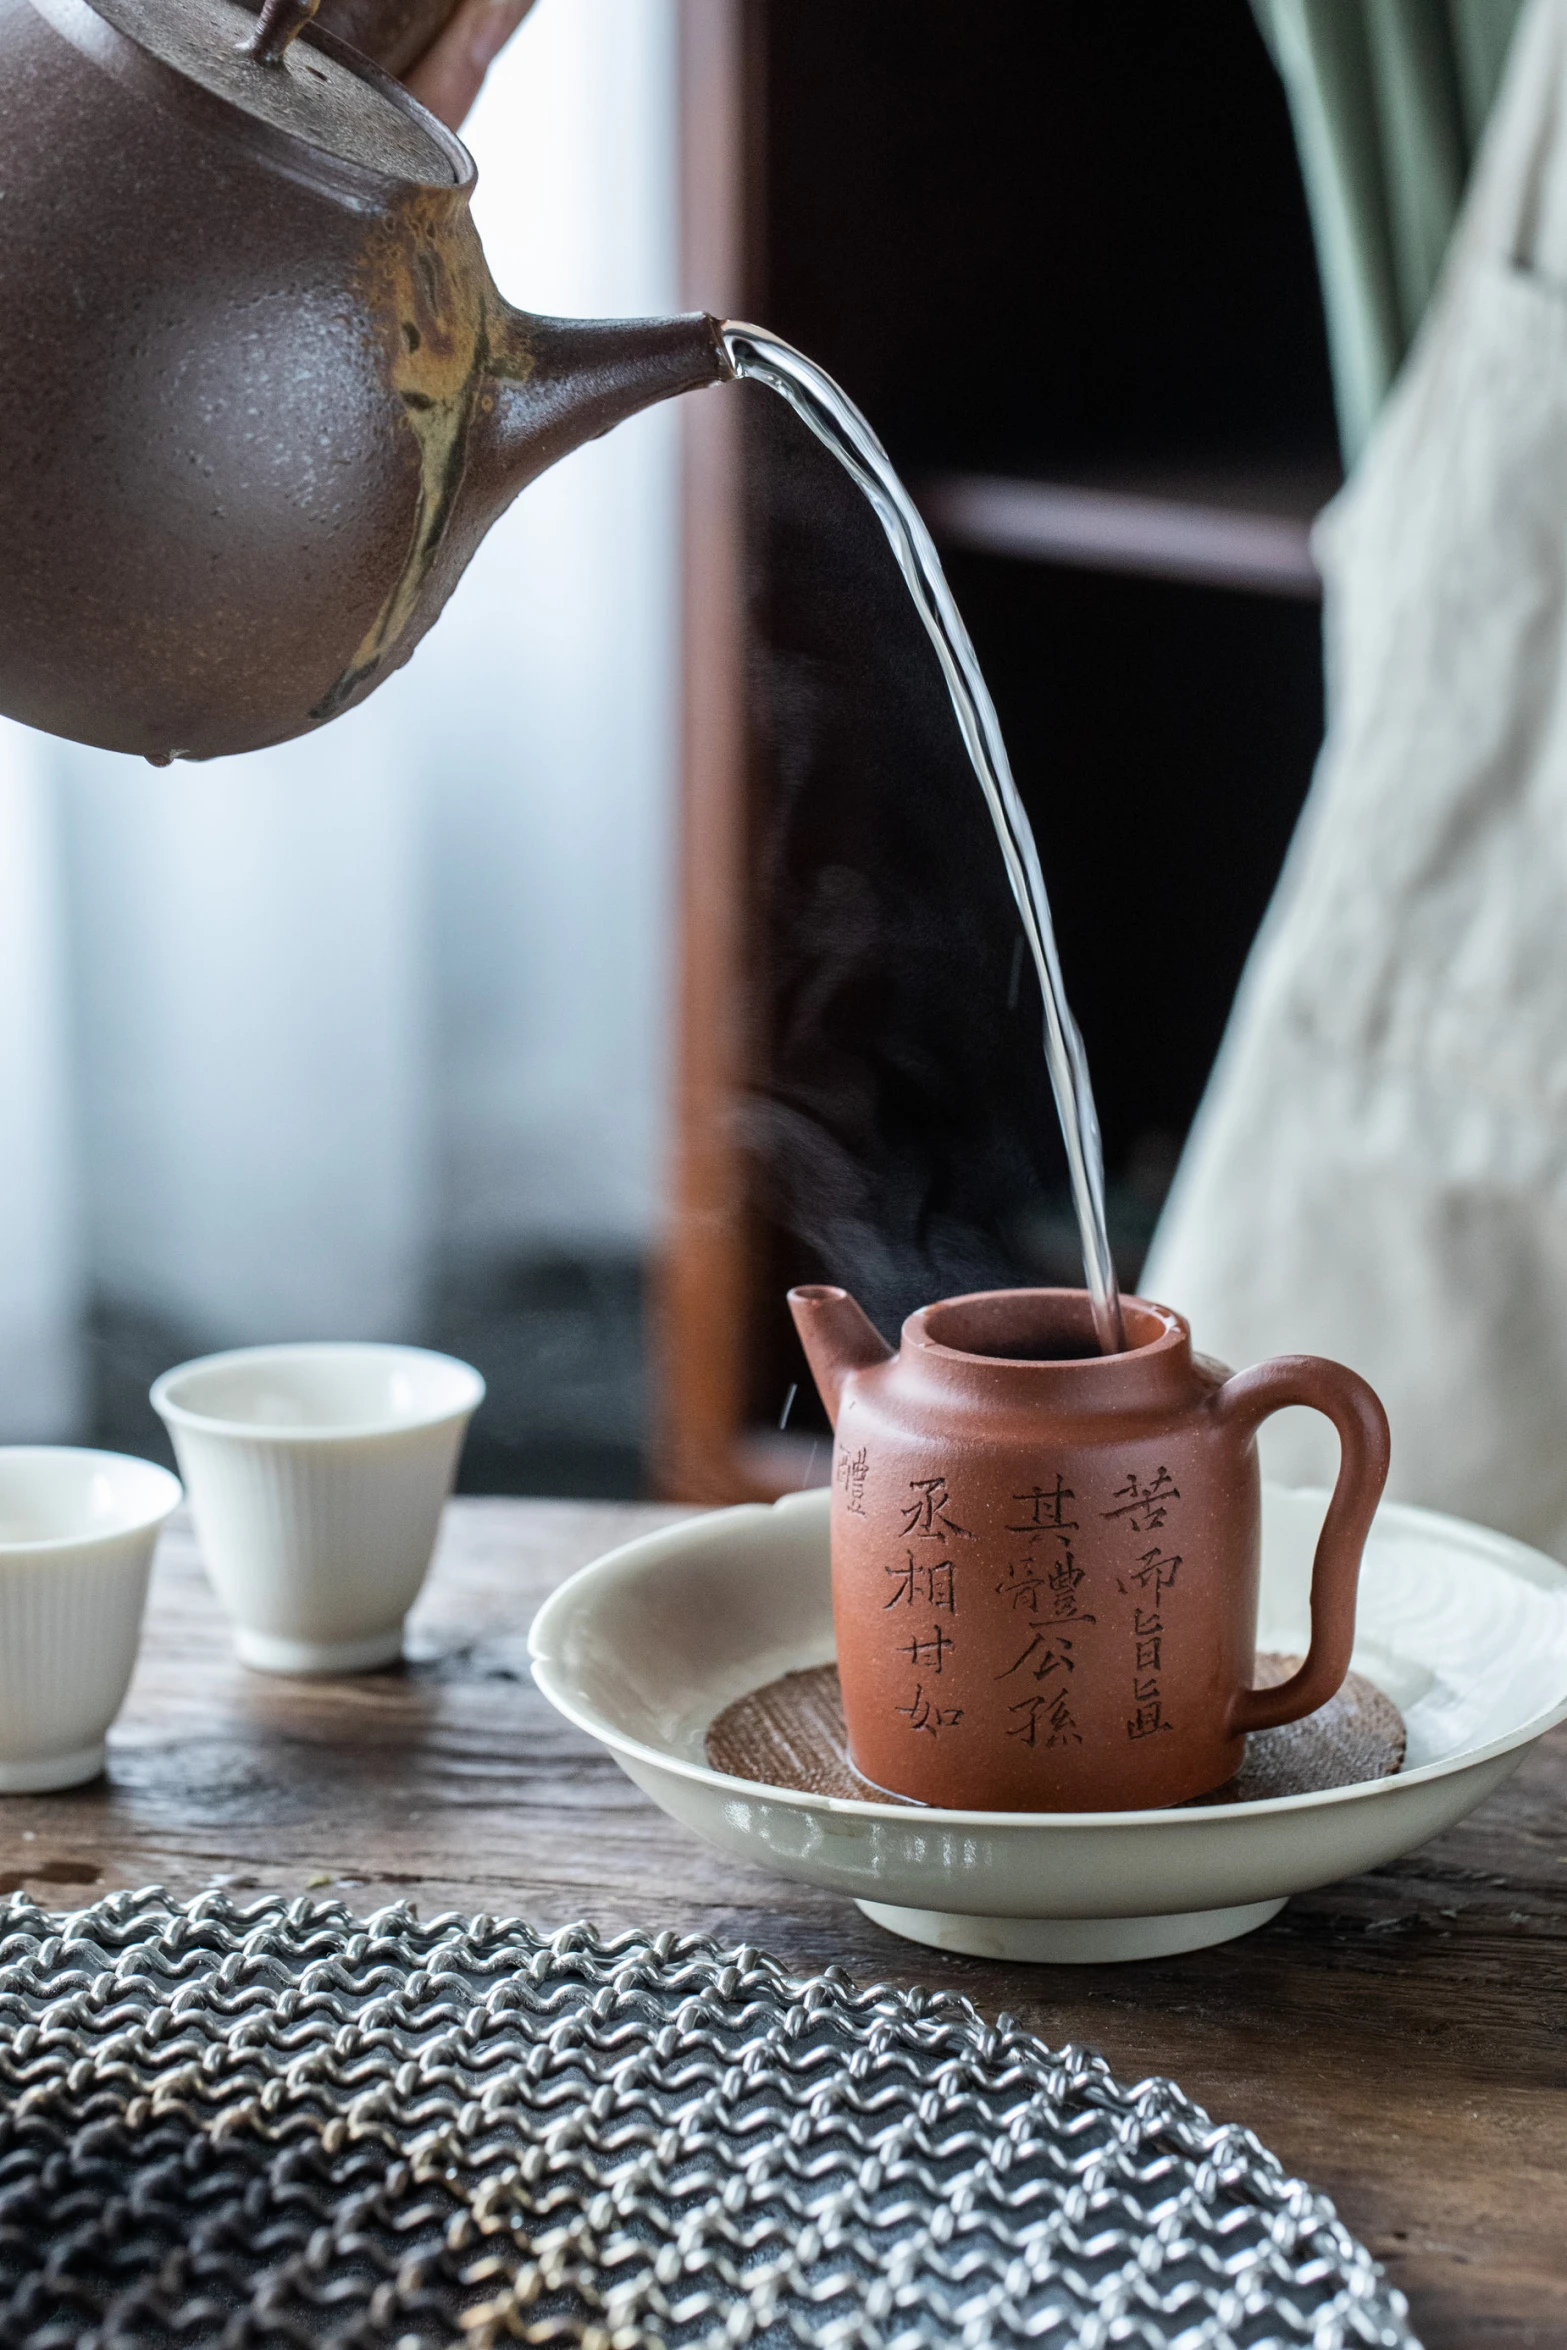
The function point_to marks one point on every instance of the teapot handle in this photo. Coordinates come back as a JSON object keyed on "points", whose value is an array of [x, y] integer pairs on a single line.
{"points": [[1356, 1412]]}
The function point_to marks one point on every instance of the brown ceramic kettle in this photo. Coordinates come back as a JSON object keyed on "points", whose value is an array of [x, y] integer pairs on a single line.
{"points": [[259, 396], [1045, 1559]]}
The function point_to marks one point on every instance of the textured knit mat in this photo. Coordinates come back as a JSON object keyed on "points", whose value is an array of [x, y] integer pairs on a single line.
{"points": [[284, 2125], [791, 1734]]}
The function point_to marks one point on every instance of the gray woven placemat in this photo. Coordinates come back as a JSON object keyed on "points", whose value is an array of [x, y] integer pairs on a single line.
{"points": [[281, 2124]]}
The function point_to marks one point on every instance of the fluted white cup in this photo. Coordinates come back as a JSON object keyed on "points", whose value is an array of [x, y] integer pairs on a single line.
{"points": [[316, 1476], [77, 1532]]}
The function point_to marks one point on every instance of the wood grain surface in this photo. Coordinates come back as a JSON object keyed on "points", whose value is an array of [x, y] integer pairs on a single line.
{"points": [[1400, 2041]]}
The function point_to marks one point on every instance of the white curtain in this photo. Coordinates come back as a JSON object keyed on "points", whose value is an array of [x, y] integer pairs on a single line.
{"points": [[277, 1032], [1379, 1171]]}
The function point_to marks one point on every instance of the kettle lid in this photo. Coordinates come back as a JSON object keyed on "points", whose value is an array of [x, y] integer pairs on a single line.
{"points": [[318, 90]]}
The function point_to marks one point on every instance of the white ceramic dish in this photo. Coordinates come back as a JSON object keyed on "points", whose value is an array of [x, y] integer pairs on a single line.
{"points": [[77, 1533], [1465, 1630], [317, 1474]]}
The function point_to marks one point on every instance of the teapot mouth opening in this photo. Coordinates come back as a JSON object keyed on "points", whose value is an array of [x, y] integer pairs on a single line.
{"points": [[1041, 1327]]}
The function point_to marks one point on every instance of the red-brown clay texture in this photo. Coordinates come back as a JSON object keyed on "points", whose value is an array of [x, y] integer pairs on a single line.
{"points": [[1045, 1560]]}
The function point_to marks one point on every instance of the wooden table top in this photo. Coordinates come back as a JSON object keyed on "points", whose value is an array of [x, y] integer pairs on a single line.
{"points": [[1400, 2041]]}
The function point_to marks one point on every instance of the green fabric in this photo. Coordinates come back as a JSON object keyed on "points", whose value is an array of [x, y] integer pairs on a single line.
{"points": [[1389, 99]]}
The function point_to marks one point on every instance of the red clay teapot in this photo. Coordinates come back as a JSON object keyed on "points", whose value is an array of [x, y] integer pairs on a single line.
{"points": [[1045, 1559], [259, 396]]}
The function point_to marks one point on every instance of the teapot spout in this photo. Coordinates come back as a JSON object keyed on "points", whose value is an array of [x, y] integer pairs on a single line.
{"points": [[540, 388], [553, 383], [838, 1337]]}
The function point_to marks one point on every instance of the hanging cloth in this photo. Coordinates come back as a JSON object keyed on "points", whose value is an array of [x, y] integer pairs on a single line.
{"points": [[1379, 1170], [1389, 99]]}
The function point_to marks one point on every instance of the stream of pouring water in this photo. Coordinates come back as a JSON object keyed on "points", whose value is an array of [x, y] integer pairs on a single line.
{"points": [[760, 357]]}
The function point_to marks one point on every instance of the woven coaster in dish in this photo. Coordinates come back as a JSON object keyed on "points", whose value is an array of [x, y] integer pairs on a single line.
{"points": [[791, 1734]]}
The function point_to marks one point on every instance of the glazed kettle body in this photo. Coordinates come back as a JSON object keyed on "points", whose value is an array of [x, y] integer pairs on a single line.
{"points": [[259, 396]]}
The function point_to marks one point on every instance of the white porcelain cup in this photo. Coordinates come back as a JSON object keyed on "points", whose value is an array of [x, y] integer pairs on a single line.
{"points": [[77, 1532], [316, 1477]]}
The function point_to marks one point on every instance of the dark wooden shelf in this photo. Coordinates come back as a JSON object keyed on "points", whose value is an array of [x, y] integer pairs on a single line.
{"points": [[1061, 259], [1241, 527]]}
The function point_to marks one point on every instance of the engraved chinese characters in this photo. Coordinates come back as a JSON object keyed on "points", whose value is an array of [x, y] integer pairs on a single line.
{"points": [[1045, 1559], [1057, 1575], [1144, 1509], [927, 1583], [1043, 1592]]}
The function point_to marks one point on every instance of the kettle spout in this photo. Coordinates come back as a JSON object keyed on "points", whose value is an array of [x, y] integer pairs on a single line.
{"points": [[838, 1337], [541, 387], [554, 383]]}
